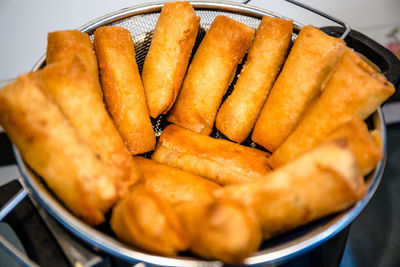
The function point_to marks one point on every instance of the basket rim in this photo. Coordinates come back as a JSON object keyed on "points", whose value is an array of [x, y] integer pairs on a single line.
{"points": [[274, 254]]}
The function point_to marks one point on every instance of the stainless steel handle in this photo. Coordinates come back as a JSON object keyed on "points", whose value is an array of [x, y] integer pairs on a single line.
{"points": [[15, 253], [345, 25], [12, 203], [7, 246], [76, 254]]}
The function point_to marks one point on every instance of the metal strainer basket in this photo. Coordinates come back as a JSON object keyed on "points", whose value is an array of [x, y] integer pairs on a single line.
{"points": [[141, 21]]}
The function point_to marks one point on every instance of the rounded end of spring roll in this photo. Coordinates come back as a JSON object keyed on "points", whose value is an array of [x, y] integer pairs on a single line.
{"points": [[144, 220], [166, 62], [223, 230], [66, 43]]}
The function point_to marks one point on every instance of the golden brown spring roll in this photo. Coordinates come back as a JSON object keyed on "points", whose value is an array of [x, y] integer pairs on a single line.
{"points": [[223, 230], [221, 161], [353, 90], [366, 150], [237, 115], [123, 90], [376, 137], [210, 73], [324, 181], [64, 44], [312, 57], [69, 84], [166, 62], [143, 219], [54, 149], [175, 185]]}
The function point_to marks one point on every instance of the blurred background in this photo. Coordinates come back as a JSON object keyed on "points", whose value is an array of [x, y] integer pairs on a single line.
{"points": [[374, 238]]}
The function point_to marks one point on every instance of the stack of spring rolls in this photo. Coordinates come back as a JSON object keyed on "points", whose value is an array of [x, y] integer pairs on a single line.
{"points": [[83, 123]]}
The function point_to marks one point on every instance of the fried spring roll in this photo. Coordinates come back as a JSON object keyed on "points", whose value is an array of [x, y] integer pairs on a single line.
{"points": [[64, 44], [221, 161], [237, 115], [54, 149], [166, 62], [210, 73], [123, 90], [324, 181], [223, 230], [376, 137], [312, 57], [365, 148], [143, 219], [353, 90], [175, 185], [69, 84]]}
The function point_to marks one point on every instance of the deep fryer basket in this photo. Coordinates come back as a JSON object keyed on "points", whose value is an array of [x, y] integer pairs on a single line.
{"points": [[141, 20]]}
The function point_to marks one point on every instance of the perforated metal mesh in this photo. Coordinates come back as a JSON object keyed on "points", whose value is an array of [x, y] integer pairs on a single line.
{"points": [[141, 28]]}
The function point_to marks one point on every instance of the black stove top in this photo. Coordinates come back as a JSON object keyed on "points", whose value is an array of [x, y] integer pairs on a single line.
{"points": [[372, 240]]}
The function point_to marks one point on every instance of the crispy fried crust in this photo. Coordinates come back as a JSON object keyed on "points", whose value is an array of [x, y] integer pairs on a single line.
{"points": [[223, 230], [143, 219], [324, 181], [209, 75], [166, 62], [69, 84], [54, 149], [237, 115], [221, 161], [353, 90], [175, 185], [123, 90], [312, 57], [64, 44], [366, 150]]}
